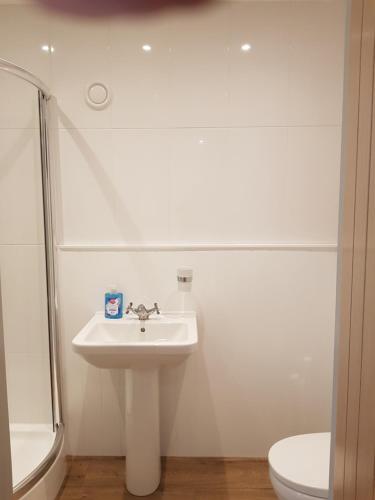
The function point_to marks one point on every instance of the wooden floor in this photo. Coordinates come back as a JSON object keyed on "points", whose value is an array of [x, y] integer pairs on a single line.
{"points": [[182, 479]]}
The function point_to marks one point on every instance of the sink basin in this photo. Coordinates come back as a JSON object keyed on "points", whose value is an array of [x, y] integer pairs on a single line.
{"points": [[139, 347], [131, 343]]}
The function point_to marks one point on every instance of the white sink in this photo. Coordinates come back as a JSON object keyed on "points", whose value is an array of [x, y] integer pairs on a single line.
{"points": [[140, 347], [121, 343]]}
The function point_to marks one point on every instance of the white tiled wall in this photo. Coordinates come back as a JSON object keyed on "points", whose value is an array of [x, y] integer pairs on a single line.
{"points": [[248, 184], [202, 142], [252, 381]]}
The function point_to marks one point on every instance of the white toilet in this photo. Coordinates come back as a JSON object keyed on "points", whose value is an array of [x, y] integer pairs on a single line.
{"points": [[299, 467]]}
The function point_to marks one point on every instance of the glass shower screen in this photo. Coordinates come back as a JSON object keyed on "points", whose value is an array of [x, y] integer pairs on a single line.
{"points": [[24, 277]]}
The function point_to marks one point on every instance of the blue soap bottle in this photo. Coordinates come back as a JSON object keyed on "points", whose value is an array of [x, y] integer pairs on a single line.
{"points": [[113, 304]]}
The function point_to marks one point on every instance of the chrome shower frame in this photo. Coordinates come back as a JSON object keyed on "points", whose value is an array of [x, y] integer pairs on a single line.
{"points": [[44, 96], [49, 237]]}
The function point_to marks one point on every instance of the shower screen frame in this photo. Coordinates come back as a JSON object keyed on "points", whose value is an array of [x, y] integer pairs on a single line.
{"points": [[44, 99]]}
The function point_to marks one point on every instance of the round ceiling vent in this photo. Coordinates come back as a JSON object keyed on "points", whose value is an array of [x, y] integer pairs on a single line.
{"points": [[98, 95]]}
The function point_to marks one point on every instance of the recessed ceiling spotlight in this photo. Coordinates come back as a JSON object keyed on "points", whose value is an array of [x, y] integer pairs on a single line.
{"points": [[245, 47], [146, 47], [48, 48]]}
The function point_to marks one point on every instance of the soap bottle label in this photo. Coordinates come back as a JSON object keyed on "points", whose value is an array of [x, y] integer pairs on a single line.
{"points": [[112, 306]]}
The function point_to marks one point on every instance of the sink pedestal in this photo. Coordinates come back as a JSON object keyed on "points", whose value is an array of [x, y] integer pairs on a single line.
{"points": [[142, 433], [140, 348]]}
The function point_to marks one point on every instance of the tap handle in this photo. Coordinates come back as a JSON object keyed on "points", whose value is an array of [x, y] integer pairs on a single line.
{"points": [[156, 308], [129, 308]]}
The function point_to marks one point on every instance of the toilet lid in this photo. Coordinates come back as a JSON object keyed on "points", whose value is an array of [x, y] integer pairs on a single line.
{"points": [[302, 463]]}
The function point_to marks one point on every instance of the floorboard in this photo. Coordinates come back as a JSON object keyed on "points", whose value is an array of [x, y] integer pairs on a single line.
{"points": [[182, 479]]}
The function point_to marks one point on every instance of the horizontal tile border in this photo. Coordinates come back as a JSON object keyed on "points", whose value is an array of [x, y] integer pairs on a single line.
{"points": [[197, 247]]}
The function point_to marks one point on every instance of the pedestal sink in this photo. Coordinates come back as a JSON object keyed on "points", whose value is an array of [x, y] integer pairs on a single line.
{"points": [[139, 347]]}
